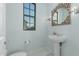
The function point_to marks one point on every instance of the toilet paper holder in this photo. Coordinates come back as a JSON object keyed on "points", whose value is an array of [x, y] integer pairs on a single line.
{"points": [[27, 41], [5, 42]]}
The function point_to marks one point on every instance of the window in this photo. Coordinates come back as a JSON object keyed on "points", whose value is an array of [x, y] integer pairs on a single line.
{"points": [[29, 16]]}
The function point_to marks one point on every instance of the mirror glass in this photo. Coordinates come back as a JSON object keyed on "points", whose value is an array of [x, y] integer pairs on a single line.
{"points": [[61, 15]]}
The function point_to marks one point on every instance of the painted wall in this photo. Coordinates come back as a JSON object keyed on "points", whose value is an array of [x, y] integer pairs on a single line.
{"points": [[14, 29], [71, 45], [2, 19]]}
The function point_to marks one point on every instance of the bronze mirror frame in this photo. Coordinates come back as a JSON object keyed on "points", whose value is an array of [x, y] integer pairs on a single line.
{"points": [[68, 18]]}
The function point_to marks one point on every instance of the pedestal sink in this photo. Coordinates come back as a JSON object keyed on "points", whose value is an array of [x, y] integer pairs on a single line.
{"points": [[58, 40]]}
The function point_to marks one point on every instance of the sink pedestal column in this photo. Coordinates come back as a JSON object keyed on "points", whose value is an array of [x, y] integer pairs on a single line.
{"points": [[56, 49], [57, 40]]}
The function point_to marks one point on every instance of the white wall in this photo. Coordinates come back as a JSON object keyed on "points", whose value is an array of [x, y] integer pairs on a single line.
{"points": [[2, 19], [71, 46], [14, 29]]}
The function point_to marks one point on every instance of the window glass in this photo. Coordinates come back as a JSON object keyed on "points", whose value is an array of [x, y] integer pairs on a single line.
{"points": [[32, 6], [26, 11], [31, 25], [31, 12], [26, 5], [26, 19], [29, 16], [32, 20]]}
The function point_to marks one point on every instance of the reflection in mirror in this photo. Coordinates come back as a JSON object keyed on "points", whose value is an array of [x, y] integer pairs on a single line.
{"points": [[61, 14]]}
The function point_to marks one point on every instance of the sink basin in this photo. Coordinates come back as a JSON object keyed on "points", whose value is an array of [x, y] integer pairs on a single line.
{"points": [[57, 38]]}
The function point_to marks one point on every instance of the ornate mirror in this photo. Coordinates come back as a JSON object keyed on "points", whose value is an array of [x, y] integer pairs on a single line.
{"points": [[61, 14]]}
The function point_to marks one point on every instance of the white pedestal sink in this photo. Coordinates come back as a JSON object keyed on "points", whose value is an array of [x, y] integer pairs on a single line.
{"points": [[57, 39]]}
